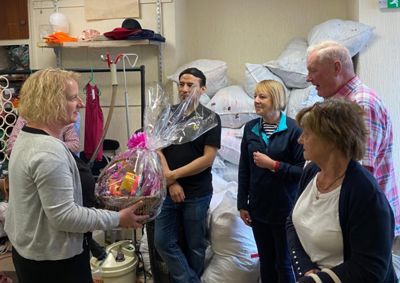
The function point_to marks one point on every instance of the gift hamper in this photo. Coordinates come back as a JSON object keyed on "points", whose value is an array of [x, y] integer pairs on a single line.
{"points": [[136, 174]]}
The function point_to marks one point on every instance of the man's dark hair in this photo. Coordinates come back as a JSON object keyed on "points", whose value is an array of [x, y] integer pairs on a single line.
{"points": [[196, 73]]}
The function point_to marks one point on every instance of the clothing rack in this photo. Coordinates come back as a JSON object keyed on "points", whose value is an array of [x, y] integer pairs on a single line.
{"points": [[140, 69]]}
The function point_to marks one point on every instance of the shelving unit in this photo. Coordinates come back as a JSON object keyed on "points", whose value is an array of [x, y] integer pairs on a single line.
{"points": [[117, 43], [101, 43], [105, 44]]}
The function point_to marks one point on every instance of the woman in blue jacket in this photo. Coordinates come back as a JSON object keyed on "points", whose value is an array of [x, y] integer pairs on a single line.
{"points": [[342, 227], [270, 167]]}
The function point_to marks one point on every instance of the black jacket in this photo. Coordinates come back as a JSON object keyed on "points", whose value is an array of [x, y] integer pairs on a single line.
{"points": [[269, 196], [367, 224]]}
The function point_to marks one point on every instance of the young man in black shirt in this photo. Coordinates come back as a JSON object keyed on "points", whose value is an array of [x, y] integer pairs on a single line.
{"points": [[187, 168]]}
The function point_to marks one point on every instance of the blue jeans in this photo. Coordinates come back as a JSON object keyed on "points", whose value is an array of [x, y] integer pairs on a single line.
{"points": [[190, 218]]}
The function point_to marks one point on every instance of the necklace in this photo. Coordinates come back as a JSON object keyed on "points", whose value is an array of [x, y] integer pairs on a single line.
{"points": [[318, 193]]}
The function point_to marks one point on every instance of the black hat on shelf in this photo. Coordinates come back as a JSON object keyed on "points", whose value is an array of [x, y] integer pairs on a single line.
{"points": [[130, 23]]}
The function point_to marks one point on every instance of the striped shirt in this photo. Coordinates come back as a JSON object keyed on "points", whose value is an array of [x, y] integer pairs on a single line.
{"points": [[269, 129], [378, 153]]}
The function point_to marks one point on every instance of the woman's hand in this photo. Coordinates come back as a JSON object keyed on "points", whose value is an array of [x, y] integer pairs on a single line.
{"points": [[129, 219], [311, 271], [306, 278], [176, 192], [245, 215], [263, 161]]}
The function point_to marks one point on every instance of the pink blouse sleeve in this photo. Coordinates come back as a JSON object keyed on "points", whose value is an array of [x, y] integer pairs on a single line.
{"points": [[71, 138], [21, 122]]}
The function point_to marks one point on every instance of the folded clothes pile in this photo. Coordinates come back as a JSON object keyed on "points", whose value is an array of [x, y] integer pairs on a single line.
{"points": [[132, 30], [59, 37]]}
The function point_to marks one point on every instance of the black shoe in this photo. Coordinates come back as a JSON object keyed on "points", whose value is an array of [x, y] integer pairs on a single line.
{"points": [[97, 251]]}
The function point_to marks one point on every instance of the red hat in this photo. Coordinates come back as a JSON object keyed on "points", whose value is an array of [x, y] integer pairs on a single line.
{"points": [[129, 27]]}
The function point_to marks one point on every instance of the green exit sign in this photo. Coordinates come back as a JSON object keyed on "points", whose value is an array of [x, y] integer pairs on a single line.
{"points": [[389, 4], [392, 4]]}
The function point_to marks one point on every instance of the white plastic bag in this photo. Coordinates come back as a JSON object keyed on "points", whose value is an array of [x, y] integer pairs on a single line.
{"points": [[256, 73], [291, 65], [214, 71], [353, 35], [233, 245], [233, 105]]}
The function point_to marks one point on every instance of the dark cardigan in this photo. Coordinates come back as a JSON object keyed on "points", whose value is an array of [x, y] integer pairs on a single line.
{"points": [[367, 224]]}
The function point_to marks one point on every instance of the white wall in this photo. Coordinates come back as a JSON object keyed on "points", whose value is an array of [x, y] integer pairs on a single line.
{"points": [[256, 31], [378, 65], [352, 9]]}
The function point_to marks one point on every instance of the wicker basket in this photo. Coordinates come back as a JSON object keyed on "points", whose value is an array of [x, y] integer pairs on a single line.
{"points": [[152, 204]]}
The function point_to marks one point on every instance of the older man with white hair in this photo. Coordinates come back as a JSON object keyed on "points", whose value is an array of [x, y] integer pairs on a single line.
{"points": [[330, 69]]}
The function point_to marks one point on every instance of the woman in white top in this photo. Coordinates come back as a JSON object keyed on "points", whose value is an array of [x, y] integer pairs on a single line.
{"points": [[341, 228], [45, 220]]}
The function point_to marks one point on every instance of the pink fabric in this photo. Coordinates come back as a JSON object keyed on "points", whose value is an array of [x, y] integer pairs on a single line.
{"points": [[70, 137], [378, 154], [93, 122]]}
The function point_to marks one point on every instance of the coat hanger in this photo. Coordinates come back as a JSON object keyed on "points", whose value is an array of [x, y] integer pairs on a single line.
{"points": [[92, 84], [91, 77]]}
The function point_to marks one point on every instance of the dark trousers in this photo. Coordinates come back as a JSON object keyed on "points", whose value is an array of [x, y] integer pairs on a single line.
{"points": [[71, 270], [275, 265]]}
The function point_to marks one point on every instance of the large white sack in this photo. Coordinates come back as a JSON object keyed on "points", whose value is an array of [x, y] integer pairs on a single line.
{"points": [[204, 99], [214, 70], [220, 187], [291, 65], [353, 35], [228, 172], [233, 244], [238, 133], [230, 144], [233, 105], [301, 98], [231, 269], [208, 257], [228, 234], [255, 73], [219, 190], [218, 163]]}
